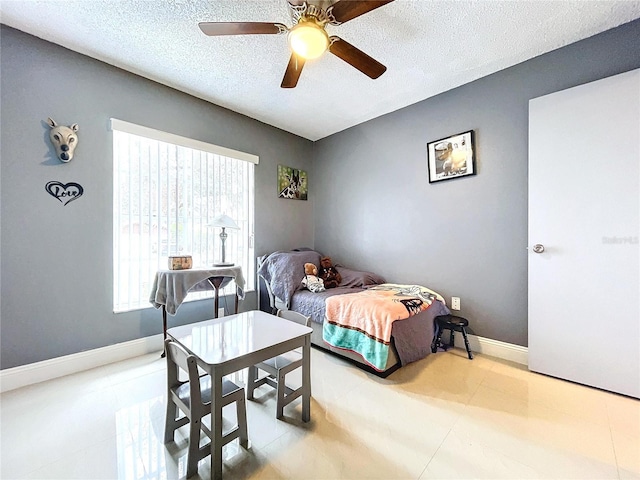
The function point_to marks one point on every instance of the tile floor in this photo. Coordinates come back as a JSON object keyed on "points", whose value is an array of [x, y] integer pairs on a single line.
{"points": [[442, 417]]}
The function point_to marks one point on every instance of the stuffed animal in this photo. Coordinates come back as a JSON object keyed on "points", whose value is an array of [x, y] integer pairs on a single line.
{"points": [[328, 273], [311, 281]]}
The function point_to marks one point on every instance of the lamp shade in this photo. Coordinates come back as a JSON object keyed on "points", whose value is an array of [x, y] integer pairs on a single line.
{"points": [[224, 221]]}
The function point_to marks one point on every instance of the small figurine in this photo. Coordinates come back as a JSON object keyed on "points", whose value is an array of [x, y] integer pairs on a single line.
{"points": [[329, 274], [311, 281]]}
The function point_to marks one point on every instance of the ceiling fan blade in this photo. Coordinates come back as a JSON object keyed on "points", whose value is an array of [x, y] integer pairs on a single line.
{"points": [[294, 69], [241, 28], [356, 57], [345, 10]]}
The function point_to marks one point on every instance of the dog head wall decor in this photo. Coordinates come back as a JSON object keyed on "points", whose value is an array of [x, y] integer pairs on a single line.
{"points": [[64, 139]]}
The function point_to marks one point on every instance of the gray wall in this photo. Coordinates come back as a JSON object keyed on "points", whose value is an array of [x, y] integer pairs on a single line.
{"points": [[56, 271], [465, 237]]}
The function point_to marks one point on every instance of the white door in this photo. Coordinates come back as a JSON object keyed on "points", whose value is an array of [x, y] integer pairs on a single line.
{"points": [[584, 203]]}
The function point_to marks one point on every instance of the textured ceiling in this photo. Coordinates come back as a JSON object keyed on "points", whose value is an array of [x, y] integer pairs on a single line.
{"points": [[428, 46]]}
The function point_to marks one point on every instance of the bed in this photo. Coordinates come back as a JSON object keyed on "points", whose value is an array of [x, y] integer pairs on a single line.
{"points": [[279, 286]]}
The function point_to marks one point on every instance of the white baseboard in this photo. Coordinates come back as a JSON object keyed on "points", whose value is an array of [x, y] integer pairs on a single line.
{"points": [[493, 348], [12, 378]]}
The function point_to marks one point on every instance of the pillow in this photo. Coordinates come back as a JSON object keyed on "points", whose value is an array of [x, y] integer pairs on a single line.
{"points": [[284, 271], [356, 278]]}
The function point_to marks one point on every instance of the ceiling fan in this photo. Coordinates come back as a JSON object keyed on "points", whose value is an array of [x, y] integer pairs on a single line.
{"points": [[308, 38]]}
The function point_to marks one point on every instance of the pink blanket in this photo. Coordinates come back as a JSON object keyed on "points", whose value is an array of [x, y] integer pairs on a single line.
{"points": [[362, 321]]}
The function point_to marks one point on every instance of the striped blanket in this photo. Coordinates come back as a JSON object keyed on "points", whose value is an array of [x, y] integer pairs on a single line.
{"points": [[362, 321]]}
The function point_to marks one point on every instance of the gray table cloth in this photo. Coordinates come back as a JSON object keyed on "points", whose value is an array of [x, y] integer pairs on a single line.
{"points": [[170, 287]]}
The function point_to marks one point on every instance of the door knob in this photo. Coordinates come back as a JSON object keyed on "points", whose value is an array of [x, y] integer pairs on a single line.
{"points": [[538, 248]]}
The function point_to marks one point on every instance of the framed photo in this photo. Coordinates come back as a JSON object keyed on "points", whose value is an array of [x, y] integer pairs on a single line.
{"points": [[451, 157], [292, 183]]}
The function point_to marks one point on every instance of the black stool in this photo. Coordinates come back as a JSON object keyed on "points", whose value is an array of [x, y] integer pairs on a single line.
{"points": [[451, 323]]}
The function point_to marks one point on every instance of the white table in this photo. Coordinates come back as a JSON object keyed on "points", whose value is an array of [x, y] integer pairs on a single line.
{"points": [[228, 344]]}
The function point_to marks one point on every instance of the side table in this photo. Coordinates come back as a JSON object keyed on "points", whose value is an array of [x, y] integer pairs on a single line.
{"points": [[171, 287]]}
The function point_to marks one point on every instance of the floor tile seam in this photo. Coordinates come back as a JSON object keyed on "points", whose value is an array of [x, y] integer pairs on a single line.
{"points": [[498, 452], [548, 407], [52, 399], [613, 397], [586, 390], [457, 420], [266, 445], [524, 435], [436, 451], [98, 435], [563, 450], [121, 398], [353, 383], [534, 442], [491, 360], [64, 401], [466, 405], [110, 389], [138, 452], [457, 375], [113, 381], [129, 378], [147, 423], [468, 415], [344, 393], [474, 392], [618, 431], [67, 454], [21, 473], [612, 422], [615, 452], [547, 469]]}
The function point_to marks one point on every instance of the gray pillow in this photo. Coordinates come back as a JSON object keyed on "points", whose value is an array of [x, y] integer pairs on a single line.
{"points": [[356, 278]]}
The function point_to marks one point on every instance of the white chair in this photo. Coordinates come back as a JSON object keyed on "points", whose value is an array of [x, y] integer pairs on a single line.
{"points": [[278, 367], [193, 398]]}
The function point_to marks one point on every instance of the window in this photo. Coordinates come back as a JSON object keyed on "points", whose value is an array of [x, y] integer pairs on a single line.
{"points": [[166, 191]]}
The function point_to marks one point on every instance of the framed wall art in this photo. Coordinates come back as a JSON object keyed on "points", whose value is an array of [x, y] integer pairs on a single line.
{"points": [[451, 157], [292, 183]]}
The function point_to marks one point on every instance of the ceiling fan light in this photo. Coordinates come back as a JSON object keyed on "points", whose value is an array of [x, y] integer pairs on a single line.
{"points": [[308, 39]]}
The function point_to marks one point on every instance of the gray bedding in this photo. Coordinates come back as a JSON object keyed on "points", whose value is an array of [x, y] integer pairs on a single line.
{"points": [[412, 336], [312, 304]]}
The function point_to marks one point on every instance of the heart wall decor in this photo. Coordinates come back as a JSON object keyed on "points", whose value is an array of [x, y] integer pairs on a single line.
{"points": [[65, 192]]}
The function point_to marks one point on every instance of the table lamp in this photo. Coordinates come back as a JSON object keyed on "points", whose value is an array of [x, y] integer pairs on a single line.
{"points": [[223, 221]]}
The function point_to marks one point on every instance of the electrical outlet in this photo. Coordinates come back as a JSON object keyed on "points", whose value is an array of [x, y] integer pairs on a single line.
{"points": [[455, 303], [220, 312]]}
